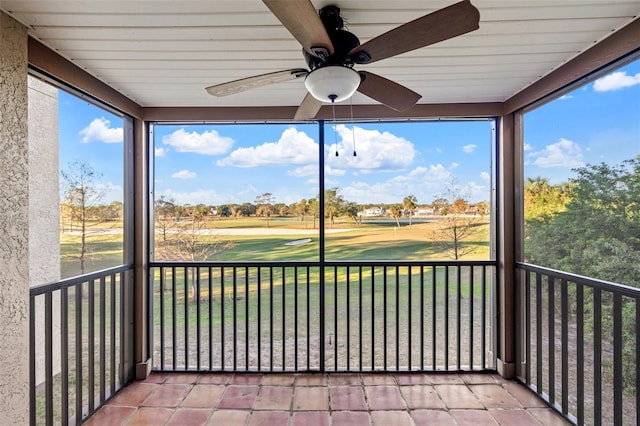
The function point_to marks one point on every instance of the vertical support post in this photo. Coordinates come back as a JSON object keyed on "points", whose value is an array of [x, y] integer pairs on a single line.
{"points": [[14, 223], [508, 128], [138, 200]]}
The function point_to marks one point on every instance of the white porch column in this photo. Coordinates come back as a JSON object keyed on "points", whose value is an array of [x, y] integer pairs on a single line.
{"points": [[14, 224]]}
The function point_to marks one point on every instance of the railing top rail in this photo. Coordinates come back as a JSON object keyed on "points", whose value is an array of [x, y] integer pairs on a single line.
{"points": [[625, 290], [268, 263], [69, 282]]}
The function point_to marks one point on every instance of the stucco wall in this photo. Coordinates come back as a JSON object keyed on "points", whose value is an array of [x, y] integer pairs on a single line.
{"points": [[44, 213], [14, 224]]}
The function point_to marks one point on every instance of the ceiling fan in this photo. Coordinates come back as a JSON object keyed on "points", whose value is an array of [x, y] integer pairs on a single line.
{"points": [[331, 52]]}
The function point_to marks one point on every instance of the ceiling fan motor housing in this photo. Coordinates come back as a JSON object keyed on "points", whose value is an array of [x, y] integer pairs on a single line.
{"points": [[342, 40]]}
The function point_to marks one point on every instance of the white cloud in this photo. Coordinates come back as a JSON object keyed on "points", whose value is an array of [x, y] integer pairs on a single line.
{"points": [[375, 150], [564, 153], [208, 143], [453, 166], [184, 174], [293, 148], [485, 176], [615, 81], [469, 148], [99, 131], [160, 152], [564, 97], [111, 191], [204, 196], [527, 147]]}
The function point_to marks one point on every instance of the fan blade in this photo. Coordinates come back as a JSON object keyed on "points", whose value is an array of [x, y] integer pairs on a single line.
{"points": [[244, 84], [301, 19], [443, 24], [308, 108], [387, 92]]}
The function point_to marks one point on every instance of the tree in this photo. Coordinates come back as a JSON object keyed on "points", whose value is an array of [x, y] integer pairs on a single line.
{"points": [[409, 203], [395, 211], [80, 194], [264, 206], [301, 208], [333, 204], [456, 226], [190, 240], [352, 210], [314, 210]]}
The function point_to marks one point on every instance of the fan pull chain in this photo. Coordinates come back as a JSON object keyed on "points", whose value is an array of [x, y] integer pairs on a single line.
{"points": [[353, 129], [335, 132]]}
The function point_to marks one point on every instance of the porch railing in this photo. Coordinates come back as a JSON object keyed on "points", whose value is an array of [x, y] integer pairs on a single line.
{"points": [[580, 345], [80, 344], [338, 316]]}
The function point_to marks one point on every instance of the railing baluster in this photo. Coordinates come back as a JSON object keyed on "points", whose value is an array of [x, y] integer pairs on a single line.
{"points": [[421, 317], [384, 316], [210, 284], [91, 349], [78, 331], [597, 356], [552, 339], [174, 322], [186, 317], [458, 315], [32, 360], [564, 312], [271, 318], [246, 316], [397, 324], [446, 317], [198, 319], [434, 317], [373, 318], [284, 316], [471, 322], [295, 318], [539, 333], [617, 359], [348, 319], [112, 306], [64, 356], [235, 319], [410, 331], [637, 358], [483, 322], [580, 352], [162, 272], [527, 326], [103, 339], [222, 313], [48, 358], [259, 318], [360, 316], [309, 319]]}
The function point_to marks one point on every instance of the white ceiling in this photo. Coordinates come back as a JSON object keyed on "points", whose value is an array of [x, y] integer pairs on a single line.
{"points": [[164, 53]]}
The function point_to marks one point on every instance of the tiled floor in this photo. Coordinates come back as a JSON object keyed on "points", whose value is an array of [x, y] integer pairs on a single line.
{"points": [[325, 400]]}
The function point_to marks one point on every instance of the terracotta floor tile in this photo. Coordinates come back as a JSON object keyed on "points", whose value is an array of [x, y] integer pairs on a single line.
{"points": [[278, 379], [167, 395], [421, 396], [311, 380], [156, 378], [384, 398], [444, 379], [110, 416], [478, 378], [431, 417], [134, 394], [344, 380], [458, 396], [350, 418], [371, 379], [229, 418], [190, 417], [310, 418], [246, 379], [146, 416], [311, 398], [215, 378], [514, 417], [203, 396], [274, 398], [347, 398], [548, 417], [525, 396], [411, 379], [473, 418], [494, 396], [269, 418], [182, 378], [395, 418], [240, 397]]}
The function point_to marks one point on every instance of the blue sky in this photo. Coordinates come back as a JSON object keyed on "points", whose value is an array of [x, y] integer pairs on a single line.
{"points": [[235, 163]]}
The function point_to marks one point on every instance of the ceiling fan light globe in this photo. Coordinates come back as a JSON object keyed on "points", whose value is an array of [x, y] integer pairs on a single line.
{"points": [[332, 83]]}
